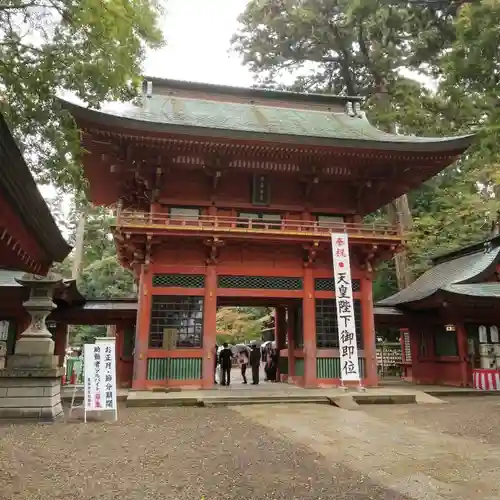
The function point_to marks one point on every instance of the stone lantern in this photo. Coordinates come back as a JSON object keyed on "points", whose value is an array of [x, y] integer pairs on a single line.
{"points": [[30, 385]]}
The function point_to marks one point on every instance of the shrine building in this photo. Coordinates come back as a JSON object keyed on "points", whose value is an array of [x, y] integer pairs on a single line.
{"points": [[451, 318], [30, 241], [227, 196], [29, 237]]}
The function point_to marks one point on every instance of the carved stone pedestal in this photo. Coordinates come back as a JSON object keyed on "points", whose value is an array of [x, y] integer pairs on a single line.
{"points": [[30, 385]]}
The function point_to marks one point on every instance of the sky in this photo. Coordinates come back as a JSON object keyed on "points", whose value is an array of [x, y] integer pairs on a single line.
{"points": [[198, 34]]}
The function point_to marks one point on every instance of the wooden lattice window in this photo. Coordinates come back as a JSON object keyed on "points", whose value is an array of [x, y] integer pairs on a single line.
{"points": [[176, 322], [328, 285], [259, 220], [184, 213], [327, 335], [260, 282], [179, 280]]}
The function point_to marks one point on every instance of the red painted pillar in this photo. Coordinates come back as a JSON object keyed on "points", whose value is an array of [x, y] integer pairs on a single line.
{"points": [[461, 333], [209, 326], [368, 332], [142, 330], [61, 336], [280, 328], [118, 335], [281, 331], [291, 316], [309, 315]]}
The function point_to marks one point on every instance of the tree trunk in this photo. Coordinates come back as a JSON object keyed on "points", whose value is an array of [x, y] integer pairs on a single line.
{"points": [[400, 213], [79, 242]]}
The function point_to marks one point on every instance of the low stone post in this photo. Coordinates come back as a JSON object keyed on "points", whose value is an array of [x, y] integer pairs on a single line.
{"points": [[30, 385]]}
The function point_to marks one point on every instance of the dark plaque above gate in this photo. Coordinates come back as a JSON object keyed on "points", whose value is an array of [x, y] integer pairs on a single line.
{"points": [[261, 189]]}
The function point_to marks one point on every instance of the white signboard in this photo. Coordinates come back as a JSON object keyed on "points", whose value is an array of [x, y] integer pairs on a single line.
{"points": [[100, 377], [4, 330], [348, 347]]}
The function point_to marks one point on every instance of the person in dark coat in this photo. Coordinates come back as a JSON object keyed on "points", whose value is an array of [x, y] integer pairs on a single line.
{"points": [[255, 364], [272, 371], [225, 360]]}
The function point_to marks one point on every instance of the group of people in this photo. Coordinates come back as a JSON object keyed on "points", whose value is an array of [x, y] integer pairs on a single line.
{"points": [[224, 358]]}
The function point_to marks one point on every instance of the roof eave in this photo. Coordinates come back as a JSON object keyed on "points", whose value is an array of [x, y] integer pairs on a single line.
{"points": [[453, 145], [23, 192]]}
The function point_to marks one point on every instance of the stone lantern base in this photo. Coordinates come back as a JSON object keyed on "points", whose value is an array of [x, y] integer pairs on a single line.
{"points": [[33, 393], [30, 385]]}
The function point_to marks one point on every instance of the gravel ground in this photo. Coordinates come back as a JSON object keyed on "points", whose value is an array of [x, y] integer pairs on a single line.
{"points": [[473, 417], [169, 453]]}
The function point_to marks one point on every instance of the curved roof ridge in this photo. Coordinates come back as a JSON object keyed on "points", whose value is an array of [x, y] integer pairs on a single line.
{"points": [[460, 271], [250, 91]]}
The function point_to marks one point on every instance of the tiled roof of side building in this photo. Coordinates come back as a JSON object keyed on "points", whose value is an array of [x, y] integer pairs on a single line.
{"points": [[459, 274], [260, 119]]}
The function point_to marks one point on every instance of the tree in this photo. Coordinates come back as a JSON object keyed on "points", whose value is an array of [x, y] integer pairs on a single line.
{"points": [[238, 324], [91, 48]]}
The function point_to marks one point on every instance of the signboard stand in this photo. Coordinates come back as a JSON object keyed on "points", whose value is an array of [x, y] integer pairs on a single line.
{"points": [[99, 387], [80, 406], [346, 324]]}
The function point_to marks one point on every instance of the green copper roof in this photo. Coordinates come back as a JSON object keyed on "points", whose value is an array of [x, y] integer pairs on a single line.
{"points": [[456, 275], [486, 290], [259, 121]]}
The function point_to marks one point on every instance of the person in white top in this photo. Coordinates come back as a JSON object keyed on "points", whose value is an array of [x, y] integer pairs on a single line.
{"points": [[243, 363]]}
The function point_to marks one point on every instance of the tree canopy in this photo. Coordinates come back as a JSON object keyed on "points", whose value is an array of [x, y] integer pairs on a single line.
{"points": [[93, 49]]}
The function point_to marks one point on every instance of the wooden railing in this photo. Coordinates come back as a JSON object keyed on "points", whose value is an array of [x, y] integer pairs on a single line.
{"points": [[222, 224]]}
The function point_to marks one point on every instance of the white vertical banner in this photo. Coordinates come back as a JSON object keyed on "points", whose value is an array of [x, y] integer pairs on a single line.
{"points": [[348, 346], [100, 377]]}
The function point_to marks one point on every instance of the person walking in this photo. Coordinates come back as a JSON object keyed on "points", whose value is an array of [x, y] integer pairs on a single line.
{"points": [[255, 364], [243, 362], [225, 360]]}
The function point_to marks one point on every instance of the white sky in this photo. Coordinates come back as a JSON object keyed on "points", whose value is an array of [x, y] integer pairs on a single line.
{"points": [[198, 34]]}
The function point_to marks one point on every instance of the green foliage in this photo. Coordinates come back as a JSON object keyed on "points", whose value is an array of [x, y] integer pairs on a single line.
{"points": [[239, 324], [92, 48], [86, 334], [102, 275]]}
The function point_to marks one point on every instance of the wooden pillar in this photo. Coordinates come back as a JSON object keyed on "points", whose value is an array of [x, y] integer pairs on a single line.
{"points": [[280, 327], [209, 326], [291, 325], [309, 319], [60, 340], [142, 330], [280, 335], [461, 334], [368, 332]]}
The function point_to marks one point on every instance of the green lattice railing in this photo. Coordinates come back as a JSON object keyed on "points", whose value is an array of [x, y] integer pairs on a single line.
{"points": [[174, 368], [179, 280], [330, 367], [299, 367], [260, 282], [328, 285]]}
